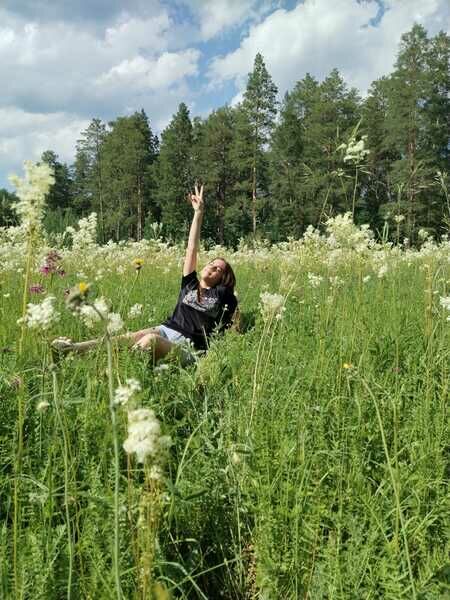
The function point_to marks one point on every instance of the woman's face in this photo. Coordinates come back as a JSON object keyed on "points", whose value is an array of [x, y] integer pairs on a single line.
{"points": [[212, 273]]}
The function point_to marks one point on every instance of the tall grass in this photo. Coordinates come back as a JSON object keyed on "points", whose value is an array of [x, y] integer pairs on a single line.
{"points": [[309, 457]]}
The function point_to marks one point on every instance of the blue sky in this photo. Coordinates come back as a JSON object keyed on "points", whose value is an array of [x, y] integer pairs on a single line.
{"points": [[63, 63]]}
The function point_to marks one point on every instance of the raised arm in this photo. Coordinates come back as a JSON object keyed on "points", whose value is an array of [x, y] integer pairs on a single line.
{"points": [[190, 261]]}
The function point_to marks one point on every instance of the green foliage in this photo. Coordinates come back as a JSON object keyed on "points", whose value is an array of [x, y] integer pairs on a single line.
{"points": [[174, 173], [8, 216], [128, 153], [278, 483]]}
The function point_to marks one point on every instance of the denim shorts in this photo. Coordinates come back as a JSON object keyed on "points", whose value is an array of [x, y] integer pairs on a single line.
{"points": [[187, 352]]}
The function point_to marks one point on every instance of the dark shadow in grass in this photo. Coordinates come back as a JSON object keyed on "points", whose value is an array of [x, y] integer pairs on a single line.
{"points": [[244, 321]]}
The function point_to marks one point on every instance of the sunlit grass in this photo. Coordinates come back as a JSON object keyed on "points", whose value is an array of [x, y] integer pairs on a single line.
{"points": [[309, 452]]}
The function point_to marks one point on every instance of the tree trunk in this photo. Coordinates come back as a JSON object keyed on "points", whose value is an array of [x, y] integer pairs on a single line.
{"points": [[254, 199], [221, 216], [139, 212]]}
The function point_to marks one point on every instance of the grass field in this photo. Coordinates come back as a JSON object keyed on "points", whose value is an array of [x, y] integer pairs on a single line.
{"points": [[309, 454]]}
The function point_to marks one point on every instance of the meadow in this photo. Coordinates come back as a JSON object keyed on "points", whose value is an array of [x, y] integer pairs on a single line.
{"points": [[308, 451]]}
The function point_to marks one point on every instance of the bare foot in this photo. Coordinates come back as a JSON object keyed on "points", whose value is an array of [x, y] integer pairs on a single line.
{"points": [[62, 344]]}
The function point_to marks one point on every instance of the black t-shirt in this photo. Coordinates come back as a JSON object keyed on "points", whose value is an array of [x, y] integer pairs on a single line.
{"points": [[197, 320]]}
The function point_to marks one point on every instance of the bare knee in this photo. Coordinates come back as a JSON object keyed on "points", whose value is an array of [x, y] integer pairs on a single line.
{"points": [[137, 336], [147, 340]]}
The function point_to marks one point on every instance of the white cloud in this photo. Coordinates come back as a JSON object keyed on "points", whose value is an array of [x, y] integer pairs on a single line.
{"points": [[59, 66], [27, 135], [152, 74], [319, 35], [216, 17], [61, 74]]}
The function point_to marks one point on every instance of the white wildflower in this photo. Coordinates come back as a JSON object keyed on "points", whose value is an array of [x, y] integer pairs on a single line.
{"points": [[366, 278], [88, 315], [115, 323], [355, 151], [135, 311], [124, 392], [336, 281], [84, 238], [41, 316], [32, 191], [399, 218], [42, 406], [314, 280], [382, 271], [445, 303], [271, 306], [144, 437]]}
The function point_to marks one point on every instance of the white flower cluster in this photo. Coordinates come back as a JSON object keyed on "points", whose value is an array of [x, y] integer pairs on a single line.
{"points": [[314, 280], [32, 191], [99, 311], [445, 303], [85, 237], [125, 391], [355, 151], [271, 306], [343, 233], [40, 316], [135, 311], [115, 323], [91, 314], [145, 439]]}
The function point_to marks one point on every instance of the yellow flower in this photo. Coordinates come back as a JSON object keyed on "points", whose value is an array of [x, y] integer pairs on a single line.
{"points": [[138, 262], [77, 295], [83, 288], [347, 366]]}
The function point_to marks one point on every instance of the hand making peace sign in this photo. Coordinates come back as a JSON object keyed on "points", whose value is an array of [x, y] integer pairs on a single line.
{"points": [[197, 199]]}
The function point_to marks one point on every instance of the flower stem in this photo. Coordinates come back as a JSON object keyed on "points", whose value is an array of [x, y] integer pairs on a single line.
{"points": [[112, 410], [66, 475], [394, 487]]}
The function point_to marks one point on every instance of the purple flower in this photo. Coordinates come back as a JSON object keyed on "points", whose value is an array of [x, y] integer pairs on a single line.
{"points": [[45, 269], [53, 257], [37, 288], [61, 272]]}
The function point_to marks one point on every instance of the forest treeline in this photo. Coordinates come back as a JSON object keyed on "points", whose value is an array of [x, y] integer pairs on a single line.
{"points": [[272, 169]]}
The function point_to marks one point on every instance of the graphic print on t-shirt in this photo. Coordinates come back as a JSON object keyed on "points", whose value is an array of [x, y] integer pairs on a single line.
{"points": [[209, 304]]}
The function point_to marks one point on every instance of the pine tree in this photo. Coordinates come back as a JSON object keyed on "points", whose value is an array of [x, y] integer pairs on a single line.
{"points": [[174, 172], [315, 119], [406, 125], [287, 159], [127, 154], [216, 172], [259, 107], [88, 172], [59, 197], [379, 189]]}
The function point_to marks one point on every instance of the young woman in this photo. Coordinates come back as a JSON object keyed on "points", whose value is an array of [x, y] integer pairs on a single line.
{"points": [[205, 304]]}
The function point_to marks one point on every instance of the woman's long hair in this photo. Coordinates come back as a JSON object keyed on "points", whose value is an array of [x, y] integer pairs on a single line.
{"points": [[228, 277]]}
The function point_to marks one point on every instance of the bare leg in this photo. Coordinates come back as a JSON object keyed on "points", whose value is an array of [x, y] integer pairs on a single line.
{"points": [[154, 343], [130, 339]]}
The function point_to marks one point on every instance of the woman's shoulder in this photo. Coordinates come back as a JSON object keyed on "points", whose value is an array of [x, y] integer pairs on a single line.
{"points": [[226, 295], [190, 279]]}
